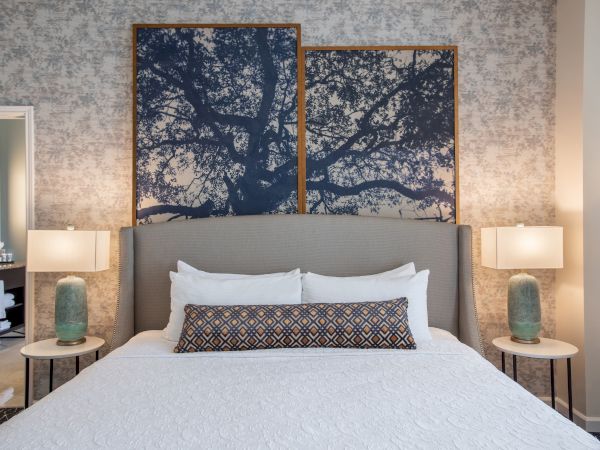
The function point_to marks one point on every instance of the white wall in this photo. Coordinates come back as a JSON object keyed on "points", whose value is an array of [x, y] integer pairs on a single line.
{"points": [[569, 189], [591, 204], [13, 197], [577, 193]]}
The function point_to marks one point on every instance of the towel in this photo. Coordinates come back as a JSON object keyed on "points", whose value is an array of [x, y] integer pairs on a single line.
{"points": [[2, 312], [8, 300], [6, 395]]}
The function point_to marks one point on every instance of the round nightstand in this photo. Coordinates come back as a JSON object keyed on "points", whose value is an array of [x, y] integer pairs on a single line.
{"points": [[48, 349], [547, 349]]}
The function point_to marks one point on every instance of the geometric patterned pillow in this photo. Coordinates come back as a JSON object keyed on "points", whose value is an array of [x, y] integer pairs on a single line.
{"points": [[252, 327]]}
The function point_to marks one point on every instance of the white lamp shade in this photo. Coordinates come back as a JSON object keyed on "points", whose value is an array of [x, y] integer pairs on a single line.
{"points": [[522, 247], [67, 251]]}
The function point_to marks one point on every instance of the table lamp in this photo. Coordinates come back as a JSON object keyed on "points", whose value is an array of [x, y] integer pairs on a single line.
{"points": [[68, 251], [522, 248]]}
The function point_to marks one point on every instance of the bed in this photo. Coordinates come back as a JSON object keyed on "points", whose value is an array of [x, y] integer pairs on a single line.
{"points": [[442, 395]]}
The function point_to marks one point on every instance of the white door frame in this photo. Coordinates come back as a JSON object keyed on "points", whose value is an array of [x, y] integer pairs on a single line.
{"points": [[27, 111]]}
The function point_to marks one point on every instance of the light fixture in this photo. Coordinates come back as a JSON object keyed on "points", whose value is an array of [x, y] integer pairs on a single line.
{"points": [[69, 251], [523, 248]]}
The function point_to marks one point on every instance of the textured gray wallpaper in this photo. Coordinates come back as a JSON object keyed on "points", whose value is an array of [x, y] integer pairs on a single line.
{"points": [[71, 60]]}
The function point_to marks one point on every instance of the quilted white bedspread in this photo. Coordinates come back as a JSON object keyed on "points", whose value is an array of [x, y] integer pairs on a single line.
{"points": [[443, 395]]}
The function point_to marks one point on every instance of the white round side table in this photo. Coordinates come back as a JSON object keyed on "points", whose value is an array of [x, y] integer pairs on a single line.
{"points": [[48, 349], [551, 349]]}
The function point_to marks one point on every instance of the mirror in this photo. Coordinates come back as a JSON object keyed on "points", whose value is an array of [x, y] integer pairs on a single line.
{"points": [[14, 190]]}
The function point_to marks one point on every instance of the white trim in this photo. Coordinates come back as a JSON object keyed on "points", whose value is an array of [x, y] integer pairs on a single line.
{"points": [[30, 212], [30, 143], [590, 424]]}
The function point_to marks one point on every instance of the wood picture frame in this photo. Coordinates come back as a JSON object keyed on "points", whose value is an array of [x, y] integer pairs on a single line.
{"points": [[453, 214]]}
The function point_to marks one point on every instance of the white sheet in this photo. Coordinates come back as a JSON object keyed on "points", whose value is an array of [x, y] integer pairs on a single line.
{"points": [[443, 395]]}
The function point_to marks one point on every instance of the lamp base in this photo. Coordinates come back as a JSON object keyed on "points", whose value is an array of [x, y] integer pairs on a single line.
{"points": [[70, 311], [525, 341], [524, 310], [66, 343]]}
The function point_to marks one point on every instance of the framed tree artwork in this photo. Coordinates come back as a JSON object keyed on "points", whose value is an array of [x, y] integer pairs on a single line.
{"points": [[381, 131], [215, 120]]}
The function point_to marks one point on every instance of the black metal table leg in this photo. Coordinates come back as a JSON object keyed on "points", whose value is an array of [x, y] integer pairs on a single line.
{"points": [[570, 389], [503, 363], [26, 382], [77, 365], [515, 367], [552, 384], [51, 373], [97, 354]]}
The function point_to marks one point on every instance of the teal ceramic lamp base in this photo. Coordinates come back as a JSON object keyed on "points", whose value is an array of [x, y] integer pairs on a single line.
{"points": [[524, 311], [70, 311]]}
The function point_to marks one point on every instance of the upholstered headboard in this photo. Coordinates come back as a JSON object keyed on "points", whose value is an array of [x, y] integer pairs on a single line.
{"points": [[325, 244]]}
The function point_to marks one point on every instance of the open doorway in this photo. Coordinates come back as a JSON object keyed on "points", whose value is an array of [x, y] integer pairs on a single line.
{"points": [[16, 217]]}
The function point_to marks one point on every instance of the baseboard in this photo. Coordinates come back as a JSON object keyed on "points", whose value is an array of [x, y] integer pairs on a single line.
{"points": [[590, 424]]}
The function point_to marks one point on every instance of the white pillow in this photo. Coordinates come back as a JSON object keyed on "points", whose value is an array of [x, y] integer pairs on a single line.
{"points": [[323, 289], [406, 269], [186, 268], [197, 289]]}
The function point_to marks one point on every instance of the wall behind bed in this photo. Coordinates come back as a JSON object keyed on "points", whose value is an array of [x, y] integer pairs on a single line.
{"points": [[72, 61]]}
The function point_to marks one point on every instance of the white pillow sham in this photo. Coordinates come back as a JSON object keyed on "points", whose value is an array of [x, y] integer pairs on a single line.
{"points": [[196, 289], [183, 267], [323, 289], [406, 269]]}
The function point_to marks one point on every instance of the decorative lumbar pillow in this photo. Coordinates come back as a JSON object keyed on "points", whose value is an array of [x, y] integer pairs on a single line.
{"points": [[323, 289], [183, 267], [253, 327], [197, 289]]}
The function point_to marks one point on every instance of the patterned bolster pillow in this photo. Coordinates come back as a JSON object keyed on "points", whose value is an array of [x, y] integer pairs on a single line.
{"points": [[253, 327]]}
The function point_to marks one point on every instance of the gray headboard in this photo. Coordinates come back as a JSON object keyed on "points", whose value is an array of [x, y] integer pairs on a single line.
{"points": [[325, 244]]}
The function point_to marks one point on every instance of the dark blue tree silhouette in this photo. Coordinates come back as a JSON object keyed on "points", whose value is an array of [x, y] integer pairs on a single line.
{"points": [[216, 122], [380, 132]]}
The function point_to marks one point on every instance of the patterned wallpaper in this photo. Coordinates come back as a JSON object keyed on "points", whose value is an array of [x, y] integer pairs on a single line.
{"points": [[71, 60]]}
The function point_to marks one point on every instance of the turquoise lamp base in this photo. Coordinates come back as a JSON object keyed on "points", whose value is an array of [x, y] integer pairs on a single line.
{"points": [[70, 311], [524, 310]]}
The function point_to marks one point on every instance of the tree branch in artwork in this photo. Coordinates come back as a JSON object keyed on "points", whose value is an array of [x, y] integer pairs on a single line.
{"points": [[179, 210], [379, 184]]}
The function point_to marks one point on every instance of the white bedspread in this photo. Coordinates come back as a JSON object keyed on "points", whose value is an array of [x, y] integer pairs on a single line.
{"points": [[443, 395]]}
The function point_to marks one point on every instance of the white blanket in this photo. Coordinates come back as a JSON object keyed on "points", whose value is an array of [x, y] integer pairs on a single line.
{"points": [[443, 395]]}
